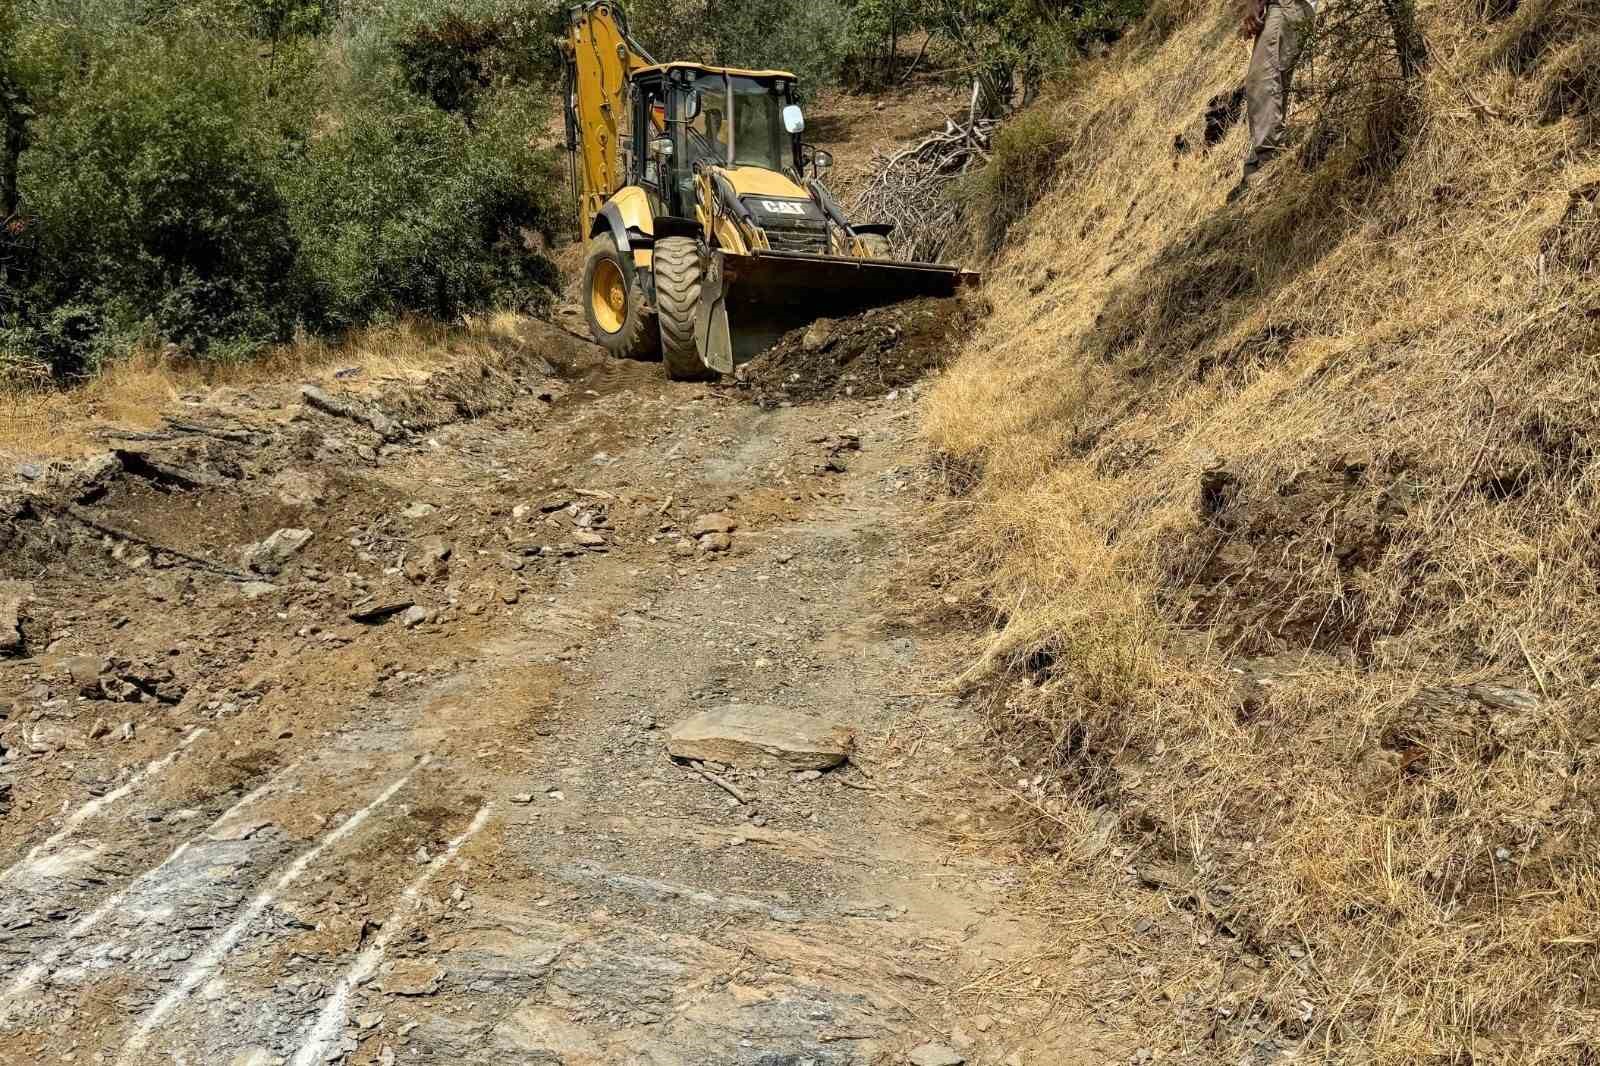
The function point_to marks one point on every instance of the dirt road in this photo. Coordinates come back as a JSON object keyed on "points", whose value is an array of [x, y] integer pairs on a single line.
{"points": [[401, 793]]}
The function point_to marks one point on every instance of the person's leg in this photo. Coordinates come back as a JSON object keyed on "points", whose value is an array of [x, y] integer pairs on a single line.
{"points": [[1263, 90], [1297, 22]]}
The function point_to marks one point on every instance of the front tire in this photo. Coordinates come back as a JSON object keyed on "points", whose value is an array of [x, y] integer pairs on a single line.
{"points": [[680, 275], [613, 302]]}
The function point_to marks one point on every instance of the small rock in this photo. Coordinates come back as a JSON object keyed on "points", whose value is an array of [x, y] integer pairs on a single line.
{"points": [[683, 548], [414, 616], [101, 728], [254, 590], [298, 488], [522, 797], [818, 336], [750, 736], [410, 977], [1013, 1059], [509, 595], [85, 671], [802, 776], [127, 731], [379, 608], [715, 542], [430, 560], [716, 522], [935, 1055], [46, 737], [418, 510], [586, 539], [30, 471], [271, 555]]}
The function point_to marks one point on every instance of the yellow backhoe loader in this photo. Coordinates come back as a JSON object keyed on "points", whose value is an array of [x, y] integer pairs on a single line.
{"points": [[710, 233]]}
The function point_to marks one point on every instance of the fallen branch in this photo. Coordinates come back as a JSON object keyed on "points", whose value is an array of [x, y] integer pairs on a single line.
{"points": [[720, 782], [913, 189]]}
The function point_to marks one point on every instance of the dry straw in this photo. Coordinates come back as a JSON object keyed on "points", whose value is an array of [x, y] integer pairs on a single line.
{"points": [[1341, 435]]}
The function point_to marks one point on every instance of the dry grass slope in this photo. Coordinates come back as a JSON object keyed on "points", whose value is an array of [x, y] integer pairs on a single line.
{"points": [[1343, 437]]}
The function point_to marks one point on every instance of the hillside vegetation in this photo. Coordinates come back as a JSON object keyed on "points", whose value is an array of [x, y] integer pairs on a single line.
{"points": [[1283, 516], [218, 175]]}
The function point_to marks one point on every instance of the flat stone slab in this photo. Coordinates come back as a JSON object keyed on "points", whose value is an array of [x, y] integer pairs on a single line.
{"points": [[755, 736]]}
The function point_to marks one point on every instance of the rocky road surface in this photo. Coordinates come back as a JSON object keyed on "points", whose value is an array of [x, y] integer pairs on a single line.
{"points": [[330, 737]]}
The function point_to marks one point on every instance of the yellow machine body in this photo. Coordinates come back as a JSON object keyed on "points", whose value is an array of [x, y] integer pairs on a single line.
{"points": [[707, 238]]}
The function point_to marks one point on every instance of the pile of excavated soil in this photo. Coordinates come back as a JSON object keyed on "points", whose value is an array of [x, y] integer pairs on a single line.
{"points": [[866, 355]]}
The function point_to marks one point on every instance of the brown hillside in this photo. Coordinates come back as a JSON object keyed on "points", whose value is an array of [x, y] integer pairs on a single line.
{"points": [[1286, 516]]}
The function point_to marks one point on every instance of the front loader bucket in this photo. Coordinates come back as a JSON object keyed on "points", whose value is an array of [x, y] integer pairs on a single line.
{"points": [[749, 301]]}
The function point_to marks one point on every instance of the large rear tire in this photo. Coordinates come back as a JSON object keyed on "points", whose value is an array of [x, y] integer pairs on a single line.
{"points": [[680, 273], [876, 245], [614, 304]]}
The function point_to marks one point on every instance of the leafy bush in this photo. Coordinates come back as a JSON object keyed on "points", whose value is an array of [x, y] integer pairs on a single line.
{"points": [[150, 209], [219, 173], [457, 60], [808, 37], [1025, 152], [402, 209]]}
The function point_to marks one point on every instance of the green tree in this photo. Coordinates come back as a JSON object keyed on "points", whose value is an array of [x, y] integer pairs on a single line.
{"points": [[152, 208], [1005, 45], [404, 209], [14, 111]]}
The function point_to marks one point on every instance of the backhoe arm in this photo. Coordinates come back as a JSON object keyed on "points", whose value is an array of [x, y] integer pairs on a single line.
{"points": [[598, 55]]}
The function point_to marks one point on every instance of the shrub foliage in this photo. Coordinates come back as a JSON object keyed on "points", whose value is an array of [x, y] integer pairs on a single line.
{"points": [[219, 175]]}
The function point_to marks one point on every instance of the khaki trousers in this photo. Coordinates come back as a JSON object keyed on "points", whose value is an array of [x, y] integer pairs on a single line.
{"points": [[1283, 34]]}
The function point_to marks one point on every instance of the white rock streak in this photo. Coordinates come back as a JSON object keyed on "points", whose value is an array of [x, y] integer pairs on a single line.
{"points": [[211, 958], [99, 803], [38, 970], [314, 1047]]}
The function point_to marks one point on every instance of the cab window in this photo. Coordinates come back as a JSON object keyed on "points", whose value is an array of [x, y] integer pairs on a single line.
{"points": [[707, 130], [759, 139]]}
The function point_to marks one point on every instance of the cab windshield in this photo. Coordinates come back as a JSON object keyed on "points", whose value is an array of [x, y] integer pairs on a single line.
{"points": [[758, 134], [754, 136]]}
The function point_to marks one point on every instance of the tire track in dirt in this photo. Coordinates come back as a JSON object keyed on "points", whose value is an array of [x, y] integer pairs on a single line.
{"points": [[314, 1046], [93, 807], [217, 951], [41, 970], [614, 907]]}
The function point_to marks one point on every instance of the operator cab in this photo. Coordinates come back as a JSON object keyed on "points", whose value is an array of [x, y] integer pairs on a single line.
{"points": [[684, 115]]}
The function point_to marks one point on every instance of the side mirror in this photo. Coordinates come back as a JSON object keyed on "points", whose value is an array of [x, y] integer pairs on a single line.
{"points": [[692, 105], [821, 159], [794, 120], [662, 146]]}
